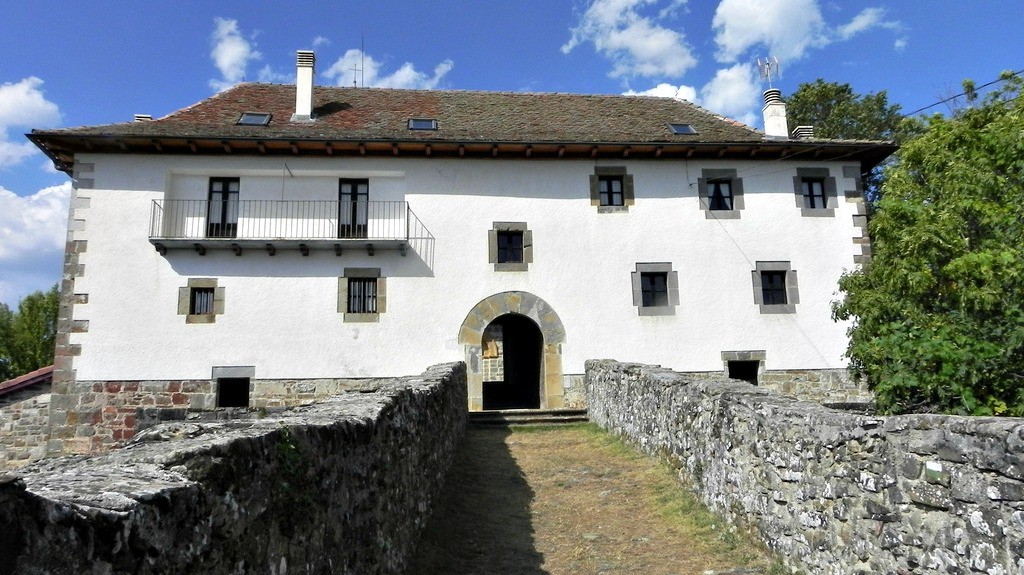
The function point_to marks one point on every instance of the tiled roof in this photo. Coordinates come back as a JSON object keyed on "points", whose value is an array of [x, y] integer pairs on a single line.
{"points": [[41, 375], [463, 116]]}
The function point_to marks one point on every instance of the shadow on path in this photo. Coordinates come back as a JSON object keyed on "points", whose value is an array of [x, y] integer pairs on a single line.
{"points": [[481, 524]]}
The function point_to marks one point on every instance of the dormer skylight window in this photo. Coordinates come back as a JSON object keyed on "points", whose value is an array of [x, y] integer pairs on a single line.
{"points": [[254, 119], [682, 129], [422, 124]]}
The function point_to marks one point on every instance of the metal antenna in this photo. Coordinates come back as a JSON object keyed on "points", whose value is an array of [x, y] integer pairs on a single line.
{"points": [[769, 68]]}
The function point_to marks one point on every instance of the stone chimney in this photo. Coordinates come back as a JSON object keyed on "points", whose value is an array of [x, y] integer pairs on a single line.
{"points": [[304, 86], [775, 125]]}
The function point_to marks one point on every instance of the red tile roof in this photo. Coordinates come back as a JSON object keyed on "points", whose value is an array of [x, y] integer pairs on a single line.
{"points": [[41, 375]]}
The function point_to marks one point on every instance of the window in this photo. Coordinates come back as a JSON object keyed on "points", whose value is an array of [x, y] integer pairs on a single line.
{"points": [[222, 212], [611, 189], [510, 246], [353, 208], [681, 129], [254, 119], [201, 300], [655, 289], [362, 295], [744, 365], [775, 287], [233, 392], [721, 194], [815, 192], [422, 124]]}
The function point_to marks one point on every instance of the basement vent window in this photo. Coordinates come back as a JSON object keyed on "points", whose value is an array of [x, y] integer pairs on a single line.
{"points": [[254, 119], [233, 392], [422, 124], [682, 129]]}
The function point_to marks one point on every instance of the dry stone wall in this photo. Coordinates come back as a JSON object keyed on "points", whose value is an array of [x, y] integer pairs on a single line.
{"points": [[831, 492], [24, 426], [342, 486]]}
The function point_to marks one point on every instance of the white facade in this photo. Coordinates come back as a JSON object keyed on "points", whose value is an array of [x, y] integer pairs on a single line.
{"points": [[281, 312]]}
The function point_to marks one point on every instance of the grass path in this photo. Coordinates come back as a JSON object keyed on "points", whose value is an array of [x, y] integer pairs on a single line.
{"points": [[572, 500]]}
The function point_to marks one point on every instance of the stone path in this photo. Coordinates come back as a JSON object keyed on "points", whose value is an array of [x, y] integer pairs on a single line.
{"points": [[571, 500]]}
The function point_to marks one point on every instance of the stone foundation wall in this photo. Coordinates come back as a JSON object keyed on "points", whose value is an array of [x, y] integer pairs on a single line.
{"points": [[831, 492], [24, 426], [817, 385], [97, 416], [342, 486]]}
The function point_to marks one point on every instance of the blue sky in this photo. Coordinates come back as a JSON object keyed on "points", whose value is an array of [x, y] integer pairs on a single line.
{"points": [[75, 63]]}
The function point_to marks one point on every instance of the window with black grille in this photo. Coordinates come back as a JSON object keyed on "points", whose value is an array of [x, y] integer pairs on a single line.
{"points": [[773, 287], [201, 301], [362, 295], [654, 289], [510, 246]]}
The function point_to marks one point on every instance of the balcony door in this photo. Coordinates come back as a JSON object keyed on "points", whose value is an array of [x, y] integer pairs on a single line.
{"points": [[352, 208], [222, 211]]}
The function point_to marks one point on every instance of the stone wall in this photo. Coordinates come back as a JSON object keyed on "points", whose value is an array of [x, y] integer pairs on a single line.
{"points": [[342, 486], [831, 492], [97, 416], [24, 425]]}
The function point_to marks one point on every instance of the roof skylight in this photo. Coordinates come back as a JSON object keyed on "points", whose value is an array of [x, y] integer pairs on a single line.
{"points": [[422, 124], [253, 119], [682, 129]]}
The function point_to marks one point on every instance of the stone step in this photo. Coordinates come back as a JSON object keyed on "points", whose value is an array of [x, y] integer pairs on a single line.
{"points": [[499, 417]]}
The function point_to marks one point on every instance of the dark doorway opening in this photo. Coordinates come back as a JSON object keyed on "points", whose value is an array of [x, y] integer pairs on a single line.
{"points": [[744, 370], [233, 392], [513, 345]]}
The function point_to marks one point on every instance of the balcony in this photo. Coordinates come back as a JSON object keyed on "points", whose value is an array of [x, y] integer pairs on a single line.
{"points": [[270, 225]]}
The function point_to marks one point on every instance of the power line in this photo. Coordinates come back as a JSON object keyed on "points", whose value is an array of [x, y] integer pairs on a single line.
{"points": [[964, 93]]}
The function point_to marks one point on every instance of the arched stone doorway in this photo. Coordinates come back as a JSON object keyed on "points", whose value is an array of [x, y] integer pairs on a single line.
{"points": [[512, 352], [521, 305]]}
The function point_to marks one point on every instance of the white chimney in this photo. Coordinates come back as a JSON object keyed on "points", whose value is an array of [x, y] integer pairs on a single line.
{"points": [[304, 86], [143, 117], [775, 125]]}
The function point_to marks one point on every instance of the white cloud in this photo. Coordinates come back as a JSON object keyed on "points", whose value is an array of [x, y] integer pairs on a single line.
{"points": [[268, 74], [321, 41], [900, 44], [231, 53], [370, 73], [23, 105], [32, 235], [786, 29], [637, 45], [663, 90], [733, 92]]}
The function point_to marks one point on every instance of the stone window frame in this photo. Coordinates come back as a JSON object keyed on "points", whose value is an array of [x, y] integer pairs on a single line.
{"points": [[758, 355], [185, 300], [831, 193], [628, 189], [492, 246], [671, 281], [735, 186], [382, 299], [792, 292]]}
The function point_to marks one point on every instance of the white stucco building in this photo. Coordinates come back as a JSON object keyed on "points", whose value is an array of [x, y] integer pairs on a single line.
{"points": [[272, 236]]}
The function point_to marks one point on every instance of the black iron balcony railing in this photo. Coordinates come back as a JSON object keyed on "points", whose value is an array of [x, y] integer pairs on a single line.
{"points": [[186, 223]]}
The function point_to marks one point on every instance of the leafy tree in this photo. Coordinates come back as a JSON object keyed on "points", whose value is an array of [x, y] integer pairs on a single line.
{"points": [[836, 111], [27, 337], [939, 310]]}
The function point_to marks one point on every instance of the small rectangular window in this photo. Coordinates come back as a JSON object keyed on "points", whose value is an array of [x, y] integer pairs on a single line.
{"points": [[773, 287], [610, 190], [254, 119], [510, 246], [744, 370], [422, 124], [720, 195], [201, 301], [233, 392], [654, 289], [682, 129], [362, 295], [814, 193]]}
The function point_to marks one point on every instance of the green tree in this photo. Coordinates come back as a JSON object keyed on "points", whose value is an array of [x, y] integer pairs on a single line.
{"points": [[939, 310], [836, 111], [27, 337]]}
